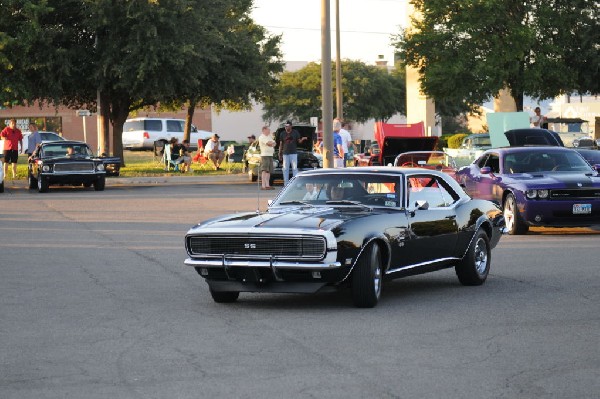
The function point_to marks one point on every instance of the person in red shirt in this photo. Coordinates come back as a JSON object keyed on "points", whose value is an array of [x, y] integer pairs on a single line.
{"points": [[12, 138]]}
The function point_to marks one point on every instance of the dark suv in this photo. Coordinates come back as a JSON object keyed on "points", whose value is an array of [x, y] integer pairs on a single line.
{"points": [[306, 159]]}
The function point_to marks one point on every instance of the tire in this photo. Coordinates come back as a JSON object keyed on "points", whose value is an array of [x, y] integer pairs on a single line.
{"points": [[42, 184], [224, 296], [87, 185], [252, 177], [514, 224], [2, 187], [474, 268], [99, 184], [367, 278], [32, 181]]}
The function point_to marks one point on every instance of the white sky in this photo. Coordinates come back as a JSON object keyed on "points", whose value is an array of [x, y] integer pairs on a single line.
{"points": [[366, 27]]}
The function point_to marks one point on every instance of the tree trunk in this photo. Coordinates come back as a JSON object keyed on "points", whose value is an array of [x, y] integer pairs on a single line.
{"points": [[188, 120], [119, 113]]}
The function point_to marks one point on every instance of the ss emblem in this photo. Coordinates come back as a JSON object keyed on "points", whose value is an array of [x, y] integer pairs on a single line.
{"points": [[250, 246]]}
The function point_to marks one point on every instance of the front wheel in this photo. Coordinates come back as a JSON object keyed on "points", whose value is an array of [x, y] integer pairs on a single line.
{"points": [[367, 278], [473, 269], [99, 184], [42, 184], [514, 223], [224, 296], [32, 181]]}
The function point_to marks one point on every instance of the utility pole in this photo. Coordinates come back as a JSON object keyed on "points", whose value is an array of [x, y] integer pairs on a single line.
{"points": [[338, 65], [326, 104]]}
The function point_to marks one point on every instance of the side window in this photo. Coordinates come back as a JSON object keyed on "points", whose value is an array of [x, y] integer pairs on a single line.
{"points": [[174, 126], [428, 188], [482, 161], [493, 162], [153, 125]]}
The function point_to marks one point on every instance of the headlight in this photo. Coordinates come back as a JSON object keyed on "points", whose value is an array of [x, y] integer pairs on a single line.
{"points": [[100, 167], [46, 168], [531, 194]]}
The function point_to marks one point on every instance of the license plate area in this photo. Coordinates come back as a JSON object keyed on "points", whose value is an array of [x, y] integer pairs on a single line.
{"points": [[582, 209]]}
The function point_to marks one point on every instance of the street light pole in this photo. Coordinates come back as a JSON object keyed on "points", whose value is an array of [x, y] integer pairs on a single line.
{"points": [[326, 102], [338, 64]]}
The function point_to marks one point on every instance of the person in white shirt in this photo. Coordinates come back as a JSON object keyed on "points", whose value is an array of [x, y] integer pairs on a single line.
{"points": [[537, 119], [346, 140], [213, 150], [266, 144]]}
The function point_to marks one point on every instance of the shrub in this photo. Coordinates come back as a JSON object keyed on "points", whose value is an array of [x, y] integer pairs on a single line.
{"points": [[442, 143], [456, 140]]}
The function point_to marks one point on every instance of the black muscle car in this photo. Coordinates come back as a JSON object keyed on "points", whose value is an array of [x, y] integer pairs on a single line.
{"points": [[65, 163], [356, 227]]}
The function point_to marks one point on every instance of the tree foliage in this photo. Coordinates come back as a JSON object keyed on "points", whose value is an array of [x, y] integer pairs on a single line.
{"points": [[368, 92], [134, 54], [467, 51]]}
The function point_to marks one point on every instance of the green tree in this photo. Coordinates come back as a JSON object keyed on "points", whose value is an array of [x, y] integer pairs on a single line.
{"points": [[368, 92], [470, 50], [133, 54]]}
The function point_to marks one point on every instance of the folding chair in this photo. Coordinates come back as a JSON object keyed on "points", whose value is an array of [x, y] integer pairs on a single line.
{"points": [[169, 161], [200, 158]]}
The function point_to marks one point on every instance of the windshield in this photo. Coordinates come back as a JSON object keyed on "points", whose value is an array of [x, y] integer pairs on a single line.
{"points": [[68, 149], [547, 161], [342, 189], [428, 160]]}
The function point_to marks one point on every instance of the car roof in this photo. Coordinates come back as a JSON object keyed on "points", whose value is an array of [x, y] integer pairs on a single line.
{"points": [[65, 142], [545, 148], [358, 170]]}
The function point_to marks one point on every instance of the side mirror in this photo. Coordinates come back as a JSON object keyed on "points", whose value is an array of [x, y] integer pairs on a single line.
{"points": [[422, 205], [486, 170], [270, 202]]}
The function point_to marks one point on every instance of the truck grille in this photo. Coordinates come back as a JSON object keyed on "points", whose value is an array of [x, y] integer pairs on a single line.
{"points": [[74, 167], [286, 247], [584, 193]]}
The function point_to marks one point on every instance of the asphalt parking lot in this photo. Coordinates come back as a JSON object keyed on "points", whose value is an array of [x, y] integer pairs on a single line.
{"points": [[96, 302]]}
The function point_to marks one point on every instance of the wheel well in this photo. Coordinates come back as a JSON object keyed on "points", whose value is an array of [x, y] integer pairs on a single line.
{"points": [[487, 228], [385, 252]]}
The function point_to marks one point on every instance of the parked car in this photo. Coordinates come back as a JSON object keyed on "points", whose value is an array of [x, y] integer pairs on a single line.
{"points": [[46, 137], [306, 159], [65, 163], [142, 133], [591, 156], [536, 186], [471, 147], [348, 228], [431, 160]]}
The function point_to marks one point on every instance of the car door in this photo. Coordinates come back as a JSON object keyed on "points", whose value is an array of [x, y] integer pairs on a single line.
{"points": [[432, 228], [481, 185]]}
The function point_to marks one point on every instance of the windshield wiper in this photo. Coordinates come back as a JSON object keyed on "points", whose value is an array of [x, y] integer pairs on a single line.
{"points": [[347, 202]]}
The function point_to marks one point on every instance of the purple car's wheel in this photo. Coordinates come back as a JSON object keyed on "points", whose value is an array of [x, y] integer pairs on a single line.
{"points": [[513, 221]]}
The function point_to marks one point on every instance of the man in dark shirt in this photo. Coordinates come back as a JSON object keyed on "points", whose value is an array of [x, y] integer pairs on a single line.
{"points": [[288, 150]]}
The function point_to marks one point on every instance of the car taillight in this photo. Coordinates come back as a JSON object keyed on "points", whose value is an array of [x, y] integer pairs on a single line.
{"points": [[146, 135]]}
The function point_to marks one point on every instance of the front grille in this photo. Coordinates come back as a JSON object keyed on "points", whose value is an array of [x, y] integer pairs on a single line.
{"points": [[582, 193], [286, 247], [77, 167]]}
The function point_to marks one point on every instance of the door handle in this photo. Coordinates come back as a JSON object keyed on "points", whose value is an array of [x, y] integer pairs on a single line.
{"points": [[451, 217]]}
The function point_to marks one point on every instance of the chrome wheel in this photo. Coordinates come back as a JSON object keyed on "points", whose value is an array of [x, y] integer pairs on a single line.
{"points": [[481, 256], [377, 276], [509, 213]]}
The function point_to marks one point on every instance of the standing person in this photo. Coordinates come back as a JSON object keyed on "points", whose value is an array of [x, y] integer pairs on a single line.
{"points": [[537, 119], [346, 140], [338, 149], [213, 150], [288, 150], [266, 144], [34, 139], [12, 137]]}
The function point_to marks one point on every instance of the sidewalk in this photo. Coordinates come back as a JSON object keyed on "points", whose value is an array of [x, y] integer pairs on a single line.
{"points": [[153, 180]]}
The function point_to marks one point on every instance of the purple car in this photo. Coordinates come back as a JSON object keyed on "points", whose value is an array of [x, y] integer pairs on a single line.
{"points": [[536, 186]]}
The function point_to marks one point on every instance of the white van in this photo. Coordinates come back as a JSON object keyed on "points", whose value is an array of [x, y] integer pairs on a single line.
{"points": [[141, 133]]}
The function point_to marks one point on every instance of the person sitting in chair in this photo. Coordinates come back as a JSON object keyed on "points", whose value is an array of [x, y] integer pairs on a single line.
{"points": [[214, 151]]}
